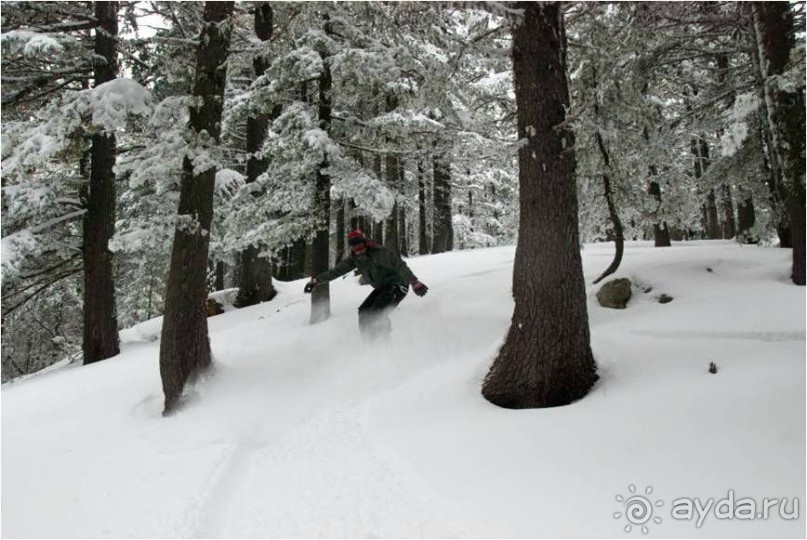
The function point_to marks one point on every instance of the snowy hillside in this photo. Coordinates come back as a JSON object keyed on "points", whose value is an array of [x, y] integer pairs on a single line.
{"points": [[302, 431]]}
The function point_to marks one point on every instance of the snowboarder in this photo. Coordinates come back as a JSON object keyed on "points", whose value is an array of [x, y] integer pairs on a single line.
{"points": [[385, 271]]}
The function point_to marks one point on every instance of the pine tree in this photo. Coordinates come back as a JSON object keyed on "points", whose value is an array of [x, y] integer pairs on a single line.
{"points": [[184, 344], [100, 317], [254, 272], [546, 359], [774, 30]]}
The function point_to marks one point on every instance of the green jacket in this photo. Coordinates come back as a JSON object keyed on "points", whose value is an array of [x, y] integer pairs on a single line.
{"points": [[380, 267]]}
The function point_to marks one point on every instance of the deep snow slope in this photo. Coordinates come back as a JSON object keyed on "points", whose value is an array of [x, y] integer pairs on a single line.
{"points": [[302, 431]]}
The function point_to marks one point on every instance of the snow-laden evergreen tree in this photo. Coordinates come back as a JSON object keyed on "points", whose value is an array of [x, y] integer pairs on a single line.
{"points": [[184, 345], [58, 159]]}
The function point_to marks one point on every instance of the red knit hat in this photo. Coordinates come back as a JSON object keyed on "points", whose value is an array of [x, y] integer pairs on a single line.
{"points": [[355, 237]]}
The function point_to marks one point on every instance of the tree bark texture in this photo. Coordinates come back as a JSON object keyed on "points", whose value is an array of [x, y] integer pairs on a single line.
{"points": [[100, 318], [774, 30], [746, 217], [394, 181], [546, 359], [728, 226], [617, 229], [423, 239], [661, 234], [254, 272], [321, 249], [441, 219], [402, 232], [184, 346]]}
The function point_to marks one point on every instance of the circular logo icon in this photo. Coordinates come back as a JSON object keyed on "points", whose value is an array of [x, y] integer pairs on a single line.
{"points": [[637, 509]]}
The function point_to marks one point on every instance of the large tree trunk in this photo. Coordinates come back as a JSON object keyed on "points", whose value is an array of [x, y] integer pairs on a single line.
{"points": [[184, 345], [546, 359], [100, 317], [441, 220], [774, 32], [254, 272], [321, 249], [423, 241]]}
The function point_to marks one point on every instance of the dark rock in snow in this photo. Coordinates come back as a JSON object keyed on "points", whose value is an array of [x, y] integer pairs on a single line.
{"points": [[712, 367], [214, 308], [615, 294], [665, 299]]}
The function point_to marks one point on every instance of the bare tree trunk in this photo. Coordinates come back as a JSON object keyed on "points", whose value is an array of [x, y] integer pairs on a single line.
{"points": [[219, 276], [546, 359], [184, 346], [393, 170], [423, 241], [404, 245], [711, 223], [618, 231], [377, 227], [100, 318], [442, 233], [774, 32], [700, 162], [746, 218], [727, 224], [340, 231], [321, 249], [661, 235], [254, 272]]}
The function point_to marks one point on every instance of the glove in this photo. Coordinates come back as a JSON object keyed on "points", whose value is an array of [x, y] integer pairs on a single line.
{"points": [[310, 286], [419, 288]]}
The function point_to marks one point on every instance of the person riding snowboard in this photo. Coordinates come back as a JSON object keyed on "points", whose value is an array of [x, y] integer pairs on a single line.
{"points": [[385, 271]]}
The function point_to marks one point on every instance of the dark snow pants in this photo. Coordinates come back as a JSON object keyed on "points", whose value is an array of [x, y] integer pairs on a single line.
{"points": [[374, 312]]}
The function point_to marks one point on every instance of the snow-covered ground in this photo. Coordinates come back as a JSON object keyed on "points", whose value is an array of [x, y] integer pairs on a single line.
{"points": [[301, 431]]}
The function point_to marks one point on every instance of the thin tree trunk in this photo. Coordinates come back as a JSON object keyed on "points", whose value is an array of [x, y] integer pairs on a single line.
{"points": [[661, 235], [617, 230], [404, 244], [321, 249], [727, 224], [100, 318], [423, 240], [546, 359], [184, 346], [442, 233], [393, 171], [711, 223], [340, 231], [254, 272], [219, 281], [377, 227], [619, 234], [700, 162], [746, 218]]}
